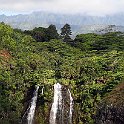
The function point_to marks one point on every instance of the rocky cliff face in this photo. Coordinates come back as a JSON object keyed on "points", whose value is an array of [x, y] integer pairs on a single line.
{"points": [[44, 105], [111, 110]]}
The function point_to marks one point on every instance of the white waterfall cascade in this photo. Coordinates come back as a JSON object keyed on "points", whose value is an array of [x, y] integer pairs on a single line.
{"points": [[42, 90], [56, 103], [71, 107], [32, 107]]}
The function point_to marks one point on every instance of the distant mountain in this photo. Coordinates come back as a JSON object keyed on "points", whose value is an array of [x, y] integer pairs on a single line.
{"points": [[99, 29], [79, 23]]}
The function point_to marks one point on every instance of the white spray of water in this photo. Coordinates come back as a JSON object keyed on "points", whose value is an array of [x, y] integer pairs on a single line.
{"points": [[71, 107], [33, 106], [57, 103]]}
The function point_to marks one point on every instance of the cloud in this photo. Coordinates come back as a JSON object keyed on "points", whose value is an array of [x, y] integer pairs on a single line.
{"points": [[89, 7]]}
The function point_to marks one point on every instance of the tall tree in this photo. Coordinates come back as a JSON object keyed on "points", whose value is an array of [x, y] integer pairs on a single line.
{"points": [[66, 32], [52, 33]]}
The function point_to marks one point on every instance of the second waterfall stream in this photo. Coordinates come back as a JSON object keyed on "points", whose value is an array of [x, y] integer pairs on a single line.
{"points": [[32, 107], [62, 106]]}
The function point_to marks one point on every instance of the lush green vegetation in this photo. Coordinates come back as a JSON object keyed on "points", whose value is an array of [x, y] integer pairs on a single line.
{"points": [[91, 65]]}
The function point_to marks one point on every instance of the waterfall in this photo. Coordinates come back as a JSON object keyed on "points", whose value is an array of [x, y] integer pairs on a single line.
{"points": [[56, 103], [62, 107], [32, 106], [42, 90], [71, 107]]}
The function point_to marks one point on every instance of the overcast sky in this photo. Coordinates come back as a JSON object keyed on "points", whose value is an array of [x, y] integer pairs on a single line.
{"points": [[90, 7]]}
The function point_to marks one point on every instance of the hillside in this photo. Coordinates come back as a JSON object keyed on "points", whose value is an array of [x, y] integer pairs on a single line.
{"points": [[91, 65]]}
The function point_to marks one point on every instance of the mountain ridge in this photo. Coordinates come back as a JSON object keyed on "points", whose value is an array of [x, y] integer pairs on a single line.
{"points": [[77, 21]]}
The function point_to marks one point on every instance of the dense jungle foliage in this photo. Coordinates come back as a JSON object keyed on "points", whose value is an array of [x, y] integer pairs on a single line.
{"points": [[91, 65]]}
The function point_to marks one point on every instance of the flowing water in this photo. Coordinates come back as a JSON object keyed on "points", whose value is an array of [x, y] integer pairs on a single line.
{"points": [[32, 107], [56, 103], [71, 107], [62, 107], [42, 90]]}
